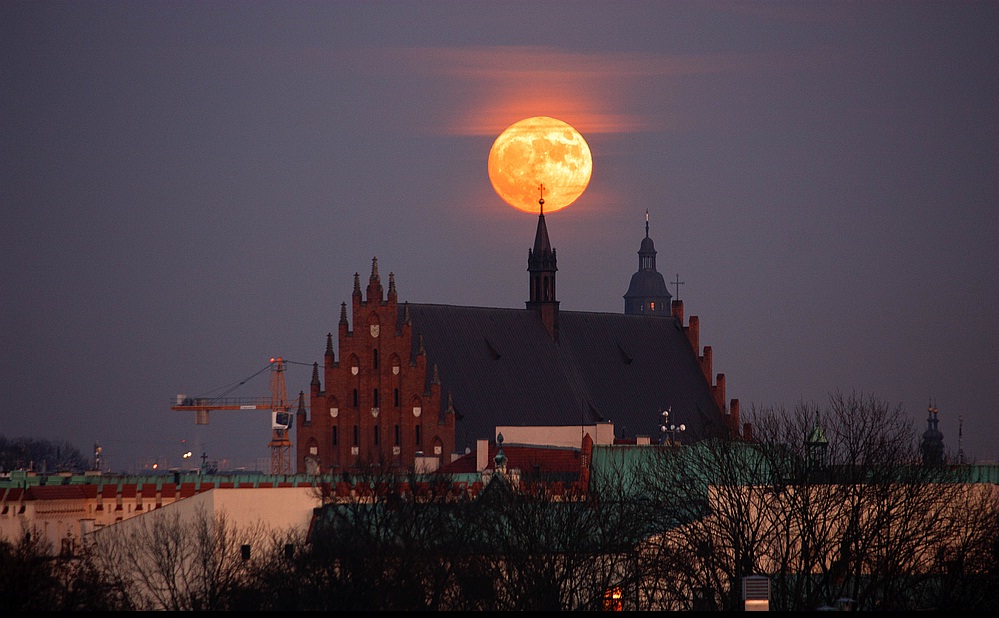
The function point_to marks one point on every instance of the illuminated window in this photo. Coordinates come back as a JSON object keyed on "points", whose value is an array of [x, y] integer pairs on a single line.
{"points": [[613, 600]]}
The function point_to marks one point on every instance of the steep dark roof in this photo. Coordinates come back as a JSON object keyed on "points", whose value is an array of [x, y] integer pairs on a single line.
{"points": [[501, 367]]}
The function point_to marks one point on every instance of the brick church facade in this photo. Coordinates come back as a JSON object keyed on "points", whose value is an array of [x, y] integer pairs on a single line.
{"points": [[380, 406]]}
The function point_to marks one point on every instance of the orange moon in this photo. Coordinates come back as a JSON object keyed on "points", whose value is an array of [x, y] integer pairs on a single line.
{"points": [[540, 151]]}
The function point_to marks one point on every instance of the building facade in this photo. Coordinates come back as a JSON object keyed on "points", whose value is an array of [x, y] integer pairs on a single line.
{"points": [[417, 385]]}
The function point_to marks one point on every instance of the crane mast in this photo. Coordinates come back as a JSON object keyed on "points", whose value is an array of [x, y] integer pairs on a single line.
{"points": [[277, 403]]}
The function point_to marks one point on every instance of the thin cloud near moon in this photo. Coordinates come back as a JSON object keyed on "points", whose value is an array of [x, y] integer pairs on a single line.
{"points": [[496, 86]]}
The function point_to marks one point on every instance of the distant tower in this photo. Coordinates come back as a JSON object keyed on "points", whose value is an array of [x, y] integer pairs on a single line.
{"points": [[960, 440], [816, 445], [98, 450], [541, 264], [932, 445], [647, 294]]}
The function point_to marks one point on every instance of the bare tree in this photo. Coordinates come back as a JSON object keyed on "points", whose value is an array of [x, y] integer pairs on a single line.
{"points": [[32, 578], [828, 505], [161, 561]]}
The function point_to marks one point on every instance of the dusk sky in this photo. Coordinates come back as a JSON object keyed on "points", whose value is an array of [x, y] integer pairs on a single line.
{"points": [[189, 187]]}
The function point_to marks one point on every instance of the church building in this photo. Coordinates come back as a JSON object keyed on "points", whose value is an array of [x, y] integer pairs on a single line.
{"points": [[418, 384]]}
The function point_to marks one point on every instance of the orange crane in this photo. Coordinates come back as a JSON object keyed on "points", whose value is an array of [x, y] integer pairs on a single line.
{"points": [[281, 419]]}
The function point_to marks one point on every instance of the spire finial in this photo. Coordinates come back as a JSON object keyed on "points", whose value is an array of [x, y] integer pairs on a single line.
{"points": [[329, 341], [541, 199], [646, 222], [343, 313], [374, 268]]}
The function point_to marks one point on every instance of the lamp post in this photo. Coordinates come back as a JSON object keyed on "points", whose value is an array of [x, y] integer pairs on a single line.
{"points": [[668, 428]]}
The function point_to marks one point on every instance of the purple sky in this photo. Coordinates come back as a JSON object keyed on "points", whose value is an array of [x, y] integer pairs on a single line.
{"points": [[189, 187]]}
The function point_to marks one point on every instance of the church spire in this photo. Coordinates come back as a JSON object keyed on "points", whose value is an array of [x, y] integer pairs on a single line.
{"points": [[542, 265]]}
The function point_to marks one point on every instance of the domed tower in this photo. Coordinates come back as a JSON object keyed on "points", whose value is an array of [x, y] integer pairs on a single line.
{"points": [[647, 294], [932, 445]]}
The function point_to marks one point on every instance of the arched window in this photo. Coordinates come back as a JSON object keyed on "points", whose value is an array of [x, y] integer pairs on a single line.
{"points": [[375, 394], [355, 398], [395, 398], [374, 358]]}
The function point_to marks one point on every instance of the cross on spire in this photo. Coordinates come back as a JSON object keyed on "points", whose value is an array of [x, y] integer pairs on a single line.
{"points": [[541, 200], [677, 283]]}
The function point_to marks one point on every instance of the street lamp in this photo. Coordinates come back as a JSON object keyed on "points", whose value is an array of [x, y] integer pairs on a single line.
{"points": [[669, 428]]}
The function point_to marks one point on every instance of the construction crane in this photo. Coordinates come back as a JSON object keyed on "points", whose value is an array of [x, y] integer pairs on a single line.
{"points": [[277, 403]]}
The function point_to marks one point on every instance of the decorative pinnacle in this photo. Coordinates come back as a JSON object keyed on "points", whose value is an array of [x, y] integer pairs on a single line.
{"points": [[343, 311], [374, 268], [405, 313], [329, 340], [391, 284], [357, 284], [315, 373], [437, 376]]}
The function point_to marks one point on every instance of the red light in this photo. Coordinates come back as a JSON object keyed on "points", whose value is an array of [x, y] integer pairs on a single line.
{"points": [[272, 359]]}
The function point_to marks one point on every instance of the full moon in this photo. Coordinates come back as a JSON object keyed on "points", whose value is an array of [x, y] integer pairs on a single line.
{"points": [[540, 151]]}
